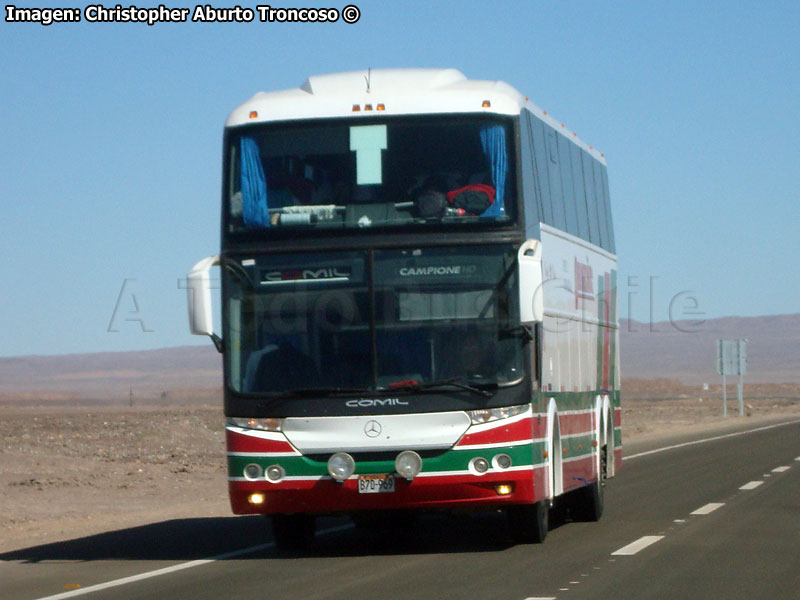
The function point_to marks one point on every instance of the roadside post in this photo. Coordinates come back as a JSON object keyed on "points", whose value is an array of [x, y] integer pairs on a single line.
{"points": [[732, 360]]}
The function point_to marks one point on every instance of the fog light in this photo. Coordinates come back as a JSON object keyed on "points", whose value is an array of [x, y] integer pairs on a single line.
{"points": [[256, 498], [408, 464], [341, 465], [479, 465], [252, 471], [504, 489], [275, 473], [501, 461]]}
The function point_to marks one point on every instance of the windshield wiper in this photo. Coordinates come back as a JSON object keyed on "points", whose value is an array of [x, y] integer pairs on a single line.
{"points": [[457, 382]]}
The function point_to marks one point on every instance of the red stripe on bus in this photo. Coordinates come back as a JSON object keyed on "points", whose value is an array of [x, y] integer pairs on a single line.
{"points": [[238, 442], [446, 491], [517, 431], [578, 423]]}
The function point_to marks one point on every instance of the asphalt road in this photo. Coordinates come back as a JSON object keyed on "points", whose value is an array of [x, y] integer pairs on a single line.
{"points": [[677, 525]]}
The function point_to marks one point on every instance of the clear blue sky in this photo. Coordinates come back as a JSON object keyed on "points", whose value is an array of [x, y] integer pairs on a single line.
{"points": [[111, 144]]}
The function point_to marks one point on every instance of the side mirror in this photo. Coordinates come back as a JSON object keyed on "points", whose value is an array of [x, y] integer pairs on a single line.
{"points": [[531, 300], [198, 294]]}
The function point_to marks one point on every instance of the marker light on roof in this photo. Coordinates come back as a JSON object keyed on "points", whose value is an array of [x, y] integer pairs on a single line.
{"points": [[381, 107], [356, 108], [368, 107], [253, 114], [486, 104]]}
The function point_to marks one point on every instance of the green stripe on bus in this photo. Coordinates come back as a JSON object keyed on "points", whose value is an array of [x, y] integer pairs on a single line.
{"points": [[452, 460], [577, 446]]}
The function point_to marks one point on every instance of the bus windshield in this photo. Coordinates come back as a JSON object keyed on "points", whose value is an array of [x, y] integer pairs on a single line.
{"points": [[356, 174], [372, 320]]}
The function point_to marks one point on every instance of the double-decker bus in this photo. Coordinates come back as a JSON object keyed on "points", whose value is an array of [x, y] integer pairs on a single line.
{"points": [[418, 280]]}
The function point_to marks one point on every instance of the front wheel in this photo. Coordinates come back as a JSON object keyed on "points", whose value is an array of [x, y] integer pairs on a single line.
{"points": [[529, 523], [293, 533]]}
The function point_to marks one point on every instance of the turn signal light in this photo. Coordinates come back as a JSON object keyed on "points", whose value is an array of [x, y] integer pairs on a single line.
{"points": [[256, 498]]}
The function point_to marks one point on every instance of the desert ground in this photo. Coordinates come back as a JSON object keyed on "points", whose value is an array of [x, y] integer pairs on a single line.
{"points": [[73, 469]]}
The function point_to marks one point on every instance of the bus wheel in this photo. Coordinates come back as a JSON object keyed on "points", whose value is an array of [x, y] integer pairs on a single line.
{"points": [[529, 523], [588, 502], [293, 533]]}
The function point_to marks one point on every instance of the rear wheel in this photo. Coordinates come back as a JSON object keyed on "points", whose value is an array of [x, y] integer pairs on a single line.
{"points": [[293, 533], [588, 502], [528, 524]]}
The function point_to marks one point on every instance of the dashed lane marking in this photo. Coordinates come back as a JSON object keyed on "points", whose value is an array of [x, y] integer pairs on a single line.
{"points": [[751, 486], [708, 508], [638, 545], [780, 469]]}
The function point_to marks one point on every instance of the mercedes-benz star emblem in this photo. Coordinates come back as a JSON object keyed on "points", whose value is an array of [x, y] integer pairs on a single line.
{"points": [[372, 429]]}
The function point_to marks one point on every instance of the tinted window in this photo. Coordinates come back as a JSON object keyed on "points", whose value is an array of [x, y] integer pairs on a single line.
{"points": [[556, 195], [580, 193], [591, 198], [357, 173], [567, 186], [541, 162], [611, 246], [530, 183]]}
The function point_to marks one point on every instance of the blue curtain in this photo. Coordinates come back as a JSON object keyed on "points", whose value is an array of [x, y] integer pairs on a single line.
{"points": [[255, 210], [493, 140]]}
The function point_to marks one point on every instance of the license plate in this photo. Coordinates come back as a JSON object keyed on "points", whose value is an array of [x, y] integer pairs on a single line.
{"points": [[375, 484]]}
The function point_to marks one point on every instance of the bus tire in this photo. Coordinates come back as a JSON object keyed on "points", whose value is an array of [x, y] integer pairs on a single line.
{"points": [[293, 533], [528, 524], [589, 501]]}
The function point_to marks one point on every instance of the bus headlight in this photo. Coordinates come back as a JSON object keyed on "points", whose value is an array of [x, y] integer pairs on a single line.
{"points": [[479, 465], [252, 472], [486, 415], [275, 473], [408, 464], [341, 465], [501, 461], [269, 424]]}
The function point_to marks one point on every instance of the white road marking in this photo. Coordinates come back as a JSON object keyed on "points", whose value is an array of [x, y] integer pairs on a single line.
{"points": [[751, 486], [780, 469], [541, 598], [174, 568], [797, 459], [638, 545], [708, 508], [711, 439]]}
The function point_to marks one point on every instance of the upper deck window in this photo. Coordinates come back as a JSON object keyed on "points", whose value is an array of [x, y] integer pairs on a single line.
{"points": [[365, 173]]}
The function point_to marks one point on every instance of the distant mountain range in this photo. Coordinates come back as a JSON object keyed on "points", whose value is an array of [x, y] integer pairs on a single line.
{"points": [[687, 350], [683, 351]]}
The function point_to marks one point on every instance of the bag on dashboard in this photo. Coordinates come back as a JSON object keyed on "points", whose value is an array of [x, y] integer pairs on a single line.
{"points": [[472, 199]]}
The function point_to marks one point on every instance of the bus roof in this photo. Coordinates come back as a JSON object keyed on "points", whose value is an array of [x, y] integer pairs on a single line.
{"points": [[398, 92]]}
